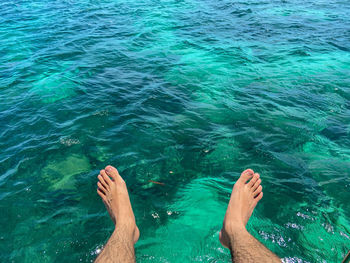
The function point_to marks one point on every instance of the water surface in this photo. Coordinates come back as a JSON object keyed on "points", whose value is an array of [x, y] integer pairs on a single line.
{"points": [[187, 93]]}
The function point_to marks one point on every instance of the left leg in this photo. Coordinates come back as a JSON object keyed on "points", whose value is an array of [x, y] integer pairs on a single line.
{"points": [[114, 194]]}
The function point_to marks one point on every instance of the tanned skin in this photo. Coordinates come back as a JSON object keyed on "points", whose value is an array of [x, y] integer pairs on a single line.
{"points": [[114, 194], [234, 235]]}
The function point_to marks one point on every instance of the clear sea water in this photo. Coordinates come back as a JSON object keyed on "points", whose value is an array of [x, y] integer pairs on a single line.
{"points": [[187, 93]]}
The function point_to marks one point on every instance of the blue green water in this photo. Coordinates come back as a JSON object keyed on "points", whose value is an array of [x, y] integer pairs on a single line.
{"points": [[187, 93]]}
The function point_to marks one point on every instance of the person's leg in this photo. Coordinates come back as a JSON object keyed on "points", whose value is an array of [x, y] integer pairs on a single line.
{"points": [[114, 194], [234, 235]]}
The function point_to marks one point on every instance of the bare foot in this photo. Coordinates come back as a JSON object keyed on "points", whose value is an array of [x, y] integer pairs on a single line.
{"points": [[244, 198], [114, 194]]}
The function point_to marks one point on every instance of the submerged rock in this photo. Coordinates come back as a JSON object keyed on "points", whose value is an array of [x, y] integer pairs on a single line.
{"points": [[62, 173], [53, 88]]}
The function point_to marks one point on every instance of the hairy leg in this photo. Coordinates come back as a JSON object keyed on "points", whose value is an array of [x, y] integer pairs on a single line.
{"points": [[119, 248], [114, 194], [234, 235]]}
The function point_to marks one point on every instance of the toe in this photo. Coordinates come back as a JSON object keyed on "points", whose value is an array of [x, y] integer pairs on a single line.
{"points": [[246, 175], [113, 172], [258, 198], [102, 181], [100, 193], [256, 184], [253, 180], [106, 177], [101, 187], [257, 191]]}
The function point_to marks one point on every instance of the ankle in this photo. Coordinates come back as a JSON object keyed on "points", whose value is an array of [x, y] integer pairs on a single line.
{"points": [[127, 227], [233, 228]]}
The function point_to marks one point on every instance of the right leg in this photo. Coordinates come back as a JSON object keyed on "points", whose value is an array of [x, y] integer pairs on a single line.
{"points": [[114, 194], [234, 235]]}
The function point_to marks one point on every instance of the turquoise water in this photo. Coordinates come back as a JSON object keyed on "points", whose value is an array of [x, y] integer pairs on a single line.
{"points": [[187, 93]]}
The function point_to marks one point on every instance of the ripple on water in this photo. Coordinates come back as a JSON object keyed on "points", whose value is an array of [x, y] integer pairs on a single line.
{"points": [[181, 96]]}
